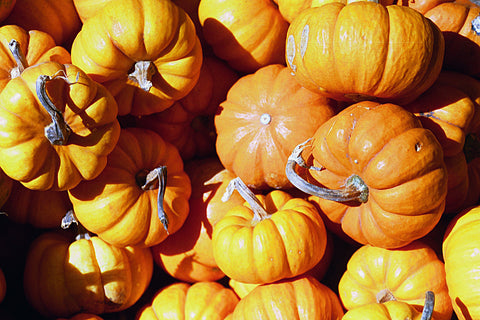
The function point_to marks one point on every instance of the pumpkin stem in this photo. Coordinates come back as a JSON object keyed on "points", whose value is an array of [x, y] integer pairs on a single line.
{"points": [[19, 57], [385, 295], [58, 131], [157, 178], [142, 74], [355, 189], [429, 305], [70, 219], [237, 184]]}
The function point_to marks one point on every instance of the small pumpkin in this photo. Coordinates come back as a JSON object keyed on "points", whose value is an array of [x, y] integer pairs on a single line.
{"points": [[3, 286], [187, 255], [376, 274], [201, 300], [5, 8], [146, 65], [6, 184], [349, 51], [299, 298], [460, 253], [59, 124], [63, 276], [83, 316], [140, 197], [376, 172], [265, 115], [247, 34], [269, 238]]}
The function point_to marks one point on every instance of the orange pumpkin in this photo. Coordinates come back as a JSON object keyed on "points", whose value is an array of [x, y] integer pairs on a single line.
{"points": [[57, 18], [3, 285], [145, 64], [88, 8], [59, 124], [201, 300], [376, 274], [6, 184], [22, 49], [247, 34], [376, 172], [264, 116], [349, 51], [300, 298], [140, 197], [83, 316], [64, 277], [6, 7], [269, 238], [460, 253], [187, 255]]}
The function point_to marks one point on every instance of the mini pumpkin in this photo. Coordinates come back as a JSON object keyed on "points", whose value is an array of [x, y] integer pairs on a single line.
{"points": [[140, 197], [145, 64], [375, 171], [350, 51], [59, 124]]}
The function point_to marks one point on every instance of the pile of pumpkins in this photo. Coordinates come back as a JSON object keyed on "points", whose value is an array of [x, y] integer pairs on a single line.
{"points": [[224, 159]]}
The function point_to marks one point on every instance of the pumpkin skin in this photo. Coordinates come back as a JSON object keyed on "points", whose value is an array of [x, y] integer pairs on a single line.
{"points": [[57, 18], [247, 34], [5, 8], [112, 43], [117, 209], [286, 240], [64, 277], [40, 208], [261, 122], [201, 300], [349, 52], [6, 184], [401, 170], [88, 8], [37, 46], [460, 246], [299, 298], [390, 310], [406, 273], [83, 316], [88, 109], [3, 286], [187, 255]]}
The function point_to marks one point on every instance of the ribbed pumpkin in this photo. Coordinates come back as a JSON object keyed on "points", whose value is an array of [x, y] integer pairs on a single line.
{"points": [[462, 261], [83, 316], [64, 276], [350, 51], [146, 65], [5, 8], [264, 116], [140, 197], [299, 298], [6, 184], [247, 34], [376, 274], [187, 255], [376, 172], [269, 238], [59, 124], [201, 300]]}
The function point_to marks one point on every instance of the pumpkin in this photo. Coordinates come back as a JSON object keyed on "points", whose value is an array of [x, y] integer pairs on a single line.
{"points": [[451, 111], [6, 184], [5, 8], [22, 49], [187, 255], [247, 34], [264, 116], [88, 8], [376, 274], [145, 64], [3, 285], [63, 277], [392, 310], [83, 316], [376, 172], [300, 298], [349, 51], [59, 124], [269, 238], [40, 208], [188, 123], [201, 300], [140, 197], [460, 247], [57, 18]]}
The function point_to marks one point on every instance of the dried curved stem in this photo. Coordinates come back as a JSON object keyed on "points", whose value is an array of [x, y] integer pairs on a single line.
{"points": [[157, 178], [70, 219], [58, 131], [237, 184], [19, 57], [143, 73], [428, 306], [355, 189]]}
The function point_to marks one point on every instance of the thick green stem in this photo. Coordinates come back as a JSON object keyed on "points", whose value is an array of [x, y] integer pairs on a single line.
{"points": [[355, 189], [19, 57], [258, 210], [157, 178]]}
